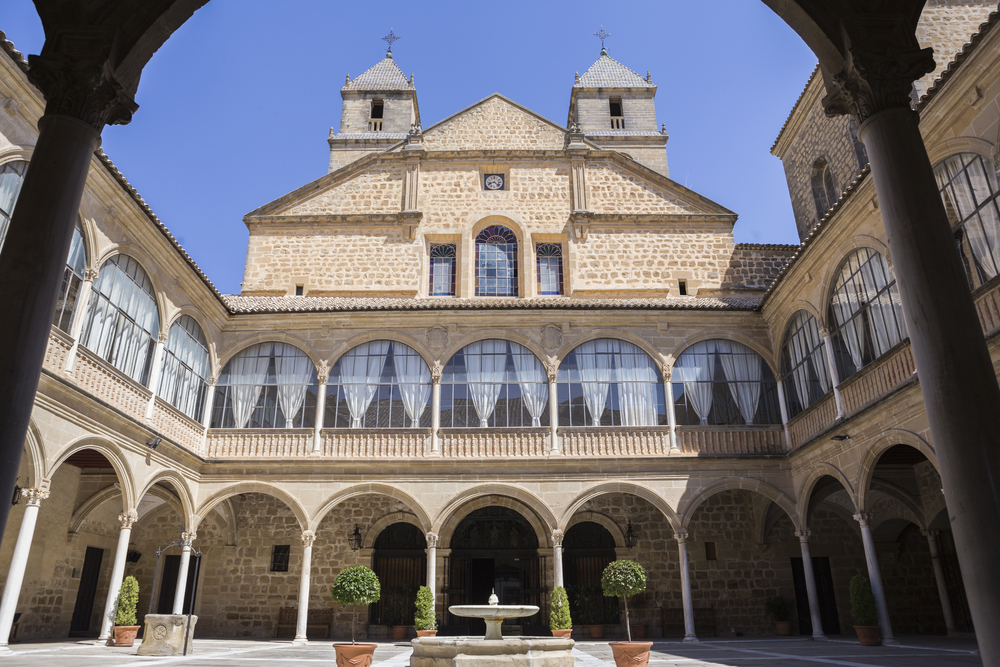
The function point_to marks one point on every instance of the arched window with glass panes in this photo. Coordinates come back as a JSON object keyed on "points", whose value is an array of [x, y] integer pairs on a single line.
{"points": [[803, 364], [268, 385], [122, 320], [442, 267], [76, 266], [380, 384], [722, 383], [609, 382], [494, 383], [11, 177], [548, 257], [865, 312], [186, 367], [496, 262], [968, 185]]}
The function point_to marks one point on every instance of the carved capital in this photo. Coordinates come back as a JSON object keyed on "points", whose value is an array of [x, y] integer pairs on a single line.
{"points": [[322, 373], [864, 518], [437, 370], [803, 535], [188, 537], [213, 380], [91, 274], [929, 533], [128, 519], [432, 540], [557, 538], [681, 536], [552, 370], [162, 338], [308, 537], [34, 496], [824, 332], [666, 370]]}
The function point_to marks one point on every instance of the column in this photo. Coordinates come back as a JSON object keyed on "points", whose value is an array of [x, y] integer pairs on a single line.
{"points": [[832, 367], [681, 537], [436, 372], [555, 449], [79, 315], [302, 620], [668, 394], [432, 543], [875, 576], [810, 577], [182, 572], [317, 448], [206, 416], [117, 572], [942, 586], [557, 564], [784, 413], [154, 373], [18, 562]]}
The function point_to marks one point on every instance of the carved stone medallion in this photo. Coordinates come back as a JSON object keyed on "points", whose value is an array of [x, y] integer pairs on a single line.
{"points": [[437, 338], [551, 337]]}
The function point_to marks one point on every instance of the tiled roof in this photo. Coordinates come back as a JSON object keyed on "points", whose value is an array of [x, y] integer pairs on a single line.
{"points": [[383, 75], [609, 73], [369, 135], [243, 305], [15, 55], [623, 133]]}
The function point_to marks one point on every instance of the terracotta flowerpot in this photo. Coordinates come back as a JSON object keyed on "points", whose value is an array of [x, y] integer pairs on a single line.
{"points": [[868, 634], [125, 634], [631, 654], [427, 633], [784, 628], [565, 634], [638, 631], [398, 633], [596, 631], [354, 655]]}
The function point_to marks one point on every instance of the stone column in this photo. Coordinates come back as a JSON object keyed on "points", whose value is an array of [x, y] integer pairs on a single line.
{"points": [[557, 563], [668, 395], [875, 576], [810, 577], [317, 447], [689, 634], [117, 572], [554, 449], [784, 413], [182, 572], [154, 373], [18, 562], [832, 367], [436, 371], [942, 586], [206, 416], [302, 620], [79, 315], [432, 543]]}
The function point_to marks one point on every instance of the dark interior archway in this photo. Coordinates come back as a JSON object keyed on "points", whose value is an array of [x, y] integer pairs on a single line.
{"points": [[587, 549], [400, 562]]}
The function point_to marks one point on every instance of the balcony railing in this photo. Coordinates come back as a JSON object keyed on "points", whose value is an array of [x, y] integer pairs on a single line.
{"points": [[376, 443], [103, 381], [813, 420], [375, 125], [729, 440], [177, 426], [502, 443], [60, 344], [617, 122], [988, 306], [618, 441], [258, 443], [878, 378]]}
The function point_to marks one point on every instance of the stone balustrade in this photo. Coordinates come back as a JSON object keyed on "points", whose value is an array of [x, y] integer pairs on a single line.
{"points": [[615, 441], [729, 440], [376, 443], [258, 443], [878, 378], [813, 420], [988, 308], [494, 443], [60, 344], [105, 382], [177, 426]]}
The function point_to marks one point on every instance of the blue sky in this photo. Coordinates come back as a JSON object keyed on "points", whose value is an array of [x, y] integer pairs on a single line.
{"points": [[236, 107]]}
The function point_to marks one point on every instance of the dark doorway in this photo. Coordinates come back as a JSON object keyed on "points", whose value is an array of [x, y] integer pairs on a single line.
{"points": [[824, 591], [400, 561], [83, 610], [168, 584], [587, 549]]}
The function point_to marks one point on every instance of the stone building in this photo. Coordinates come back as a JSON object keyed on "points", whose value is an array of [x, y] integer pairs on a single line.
{"points": [[497, 352]]}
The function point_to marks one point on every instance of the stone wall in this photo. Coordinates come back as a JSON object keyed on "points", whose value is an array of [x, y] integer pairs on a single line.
{"points": [[593, 109], [376, 189], [946, 26], [753, 265], [495, 124], [612, 189]]}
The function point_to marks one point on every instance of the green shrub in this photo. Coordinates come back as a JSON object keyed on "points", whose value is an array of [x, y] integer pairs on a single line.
{"points": [[862, 602], [779, 608], [353, 586], [559, 618], [128, 598], [424, 618], [623, 578], [587, 604]]}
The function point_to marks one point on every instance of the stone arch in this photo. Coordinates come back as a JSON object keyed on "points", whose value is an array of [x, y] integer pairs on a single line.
{"points": [[380, 524], [249, 487], [643, 344], [396, 337], [841, 251], [178, 483], [808, 485], [34, 448], [904, 499], [940, 152], [606, 488], [602, 520], [423, 521], [879, 446], [493, 334], [530, 506], [232, 350], [513, 223], [713, 334], [687, 508], [114, 456], [479, 222], [112, 492], [148, 265]]}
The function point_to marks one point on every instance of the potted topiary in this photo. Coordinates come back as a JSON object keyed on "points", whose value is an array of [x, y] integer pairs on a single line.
{"points": [[623, 578], [589, 607], [397, 603], [863, 611], [424, 620], [355, 585], [125, 623], [780, 609], [560, 621]]}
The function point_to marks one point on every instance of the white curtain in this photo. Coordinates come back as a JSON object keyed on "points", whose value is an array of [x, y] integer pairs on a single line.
{"points": [[485, 362], [695, 368], [294, 372], [593, 358], [983, 244], [743, 369], [532, 380], [637, 380], [360, 370], [845, 304], [247, 374], [806, 342], [414, 379]]}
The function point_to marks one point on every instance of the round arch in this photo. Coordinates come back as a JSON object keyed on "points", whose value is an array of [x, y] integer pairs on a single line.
{"points": [[808, 485], [114, 456], [646, 494], [874, 451], [957, 145], [147, 264], [832, 270], [380, 524], [249, 487], [346, 346], [687, 508], [602, 520], [514, 225], [641, 343], [179, 485], [233, 349], [493, 334], [198, 316], [34, 448], [714, 334], [423, 521], [794, 309], [530, 506]]}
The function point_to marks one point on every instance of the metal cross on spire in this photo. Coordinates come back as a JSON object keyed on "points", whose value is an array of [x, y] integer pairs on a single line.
{"points": [[602, 36], [391, 37]]}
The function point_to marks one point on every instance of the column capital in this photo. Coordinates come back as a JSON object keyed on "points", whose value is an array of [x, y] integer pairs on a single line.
{"points": [[162, 337], [34, 496], [824, 332], [308, 537], [557, 538], [552, 370], [666, 370], [930, 533], [213, 380], [803, 535], [91, 274], [864, 518], [188, 537], [681, 535], [128, 518], [432, 540], [322, 373], [437, 370]]}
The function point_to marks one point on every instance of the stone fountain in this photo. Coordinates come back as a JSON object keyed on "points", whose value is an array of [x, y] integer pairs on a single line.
{"points": [[492, 650]]}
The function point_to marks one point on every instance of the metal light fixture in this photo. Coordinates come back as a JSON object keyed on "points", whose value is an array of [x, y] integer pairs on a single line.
{"points": [[841, 438], [355, 539], [630, 537], [154, 444]]}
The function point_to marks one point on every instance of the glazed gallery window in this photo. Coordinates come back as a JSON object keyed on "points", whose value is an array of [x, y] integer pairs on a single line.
{"points": [[381, 384], [11, 177], [76, 265], [496, 262], [122, 321], [722, 382], [968, 187], [269, 385], [865, 311], [494, 383], [824, 191], [442, 278], [609, 382], [184, 376], [803, 364], [550, 275]]}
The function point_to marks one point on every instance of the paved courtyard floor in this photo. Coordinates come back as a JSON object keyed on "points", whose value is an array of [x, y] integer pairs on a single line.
{"points": [[911, 652]]}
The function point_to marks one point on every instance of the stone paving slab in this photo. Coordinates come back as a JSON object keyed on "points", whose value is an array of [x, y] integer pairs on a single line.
{"points": [[916, 652]]}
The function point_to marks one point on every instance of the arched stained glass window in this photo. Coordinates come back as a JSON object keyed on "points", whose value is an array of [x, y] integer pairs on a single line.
{"points": [[722, 382], [610, 382], [186, 368], [968, 187], [11, 177], [122, 320], [550, 274], [442, 279], [76, 265], [865, 311], [803, 364], [269, 385], [381, 384], [494, 383], [496, 262]]}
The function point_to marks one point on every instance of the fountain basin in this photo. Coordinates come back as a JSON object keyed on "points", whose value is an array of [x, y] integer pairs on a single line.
{"points": [[519, 652], [493, 614]]}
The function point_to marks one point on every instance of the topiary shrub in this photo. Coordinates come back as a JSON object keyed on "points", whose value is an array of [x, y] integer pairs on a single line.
{"points": [[559, 618], [779, 608], [424, 618], [623, 578], [862, 602], [353, 586], [128, 598]]}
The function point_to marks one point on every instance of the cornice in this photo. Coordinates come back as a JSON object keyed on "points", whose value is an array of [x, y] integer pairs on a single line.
{"points": [[813, 89]]}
